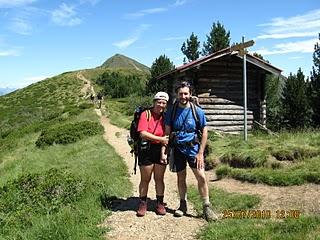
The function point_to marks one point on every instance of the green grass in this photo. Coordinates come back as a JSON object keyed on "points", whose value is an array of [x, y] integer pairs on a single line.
{"points": [[249, 229], [92, 161], [293, 158], [63, 185], [222, 200], [120, 111], [304, 227]]}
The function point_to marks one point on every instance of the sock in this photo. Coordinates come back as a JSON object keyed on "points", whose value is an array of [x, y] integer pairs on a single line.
{"points": [[143, 198], [159, 199], [206, 201]]}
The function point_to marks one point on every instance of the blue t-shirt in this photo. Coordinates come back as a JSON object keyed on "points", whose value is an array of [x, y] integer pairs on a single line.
{"points": [[184, 125]]}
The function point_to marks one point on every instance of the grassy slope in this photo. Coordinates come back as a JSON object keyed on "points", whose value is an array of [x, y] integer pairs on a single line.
{"points": [[30, 110], [120, 61]]}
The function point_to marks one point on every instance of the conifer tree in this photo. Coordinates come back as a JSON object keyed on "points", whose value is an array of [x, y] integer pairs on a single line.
{"points": [[161, 65], [315, 86], [190, 48], [296, 109], [217, 39], [274, 88]]}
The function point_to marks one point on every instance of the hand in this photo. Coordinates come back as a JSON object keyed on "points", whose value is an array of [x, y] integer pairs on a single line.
{"points": [[163, 159], [165, 140], [200, 161]]}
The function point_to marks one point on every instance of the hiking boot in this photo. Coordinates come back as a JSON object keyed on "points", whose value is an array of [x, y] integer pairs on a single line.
{"points": [[142, 209], [182, 210], [160, 209], [209, 214]]}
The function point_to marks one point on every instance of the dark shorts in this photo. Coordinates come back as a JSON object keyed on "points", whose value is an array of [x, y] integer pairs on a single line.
{"points": [[150, 156], [180, 161]]}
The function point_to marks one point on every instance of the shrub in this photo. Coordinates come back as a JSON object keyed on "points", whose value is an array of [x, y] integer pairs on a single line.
{"points": [[68, 133], [37, 193]]}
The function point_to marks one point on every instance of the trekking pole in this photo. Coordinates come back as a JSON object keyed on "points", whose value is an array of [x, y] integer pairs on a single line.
{"points": [[135, 164]]}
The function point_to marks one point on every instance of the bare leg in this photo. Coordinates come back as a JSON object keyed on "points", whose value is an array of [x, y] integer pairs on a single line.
{"points": [[158, 175], [202, 182], [145, 177], [182, 184]]}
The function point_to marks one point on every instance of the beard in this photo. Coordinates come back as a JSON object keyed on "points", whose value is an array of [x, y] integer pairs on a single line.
{"points": [[184, 101]]}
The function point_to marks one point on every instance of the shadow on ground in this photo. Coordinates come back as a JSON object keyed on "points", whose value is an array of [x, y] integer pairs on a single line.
{"points": [[115, 204]]}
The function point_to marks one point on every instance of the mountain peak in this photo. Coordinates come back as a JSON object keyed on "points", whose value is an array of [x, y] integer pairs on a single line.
{"points": [[121, 61]]}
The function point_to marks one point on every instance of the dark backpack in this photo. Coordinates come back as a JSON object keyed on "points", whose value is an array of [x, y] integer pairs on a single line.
{"points": [[134, 139]]}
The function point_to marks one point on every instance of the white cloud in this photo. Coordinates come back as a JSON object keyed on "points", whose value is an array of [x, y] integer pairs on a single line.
{"points": [[125, 43], [306, 46], [34, 79], [65, 15], [180, 2], [15, 3], [20, 26], [296, 57], [133, 38], [297, 26], [144, 12], [92, 2], [9, 53], [289, 35]]}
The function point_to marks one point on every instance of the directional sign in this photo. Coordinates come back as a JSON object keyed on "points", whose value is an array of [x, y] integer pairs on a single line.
{"points": [[241, 47]]}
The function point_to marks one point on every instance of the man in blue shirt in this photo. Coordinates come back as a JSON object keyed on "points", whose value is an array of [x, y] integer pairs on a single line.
{"points": [[188, 146]]}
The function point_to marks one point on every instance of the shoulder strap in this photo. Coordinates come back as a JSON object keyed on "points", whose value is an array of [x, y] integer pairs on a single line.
{"points": [[195, 115], [174, 112], [148, 114]]}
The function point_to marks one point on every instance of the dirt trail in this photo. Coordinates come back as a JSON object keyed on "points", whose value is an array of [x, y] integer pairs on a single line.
{"points": [[125, 225], [305, 198], [123, 222]]}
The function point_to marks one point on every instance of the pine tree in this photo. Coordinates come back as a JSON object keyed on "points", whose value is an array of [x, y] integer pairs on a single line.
{"points": [[274, 88], [159, 66], [190, 48], [218, 39], [315, 86], [296, 109]]}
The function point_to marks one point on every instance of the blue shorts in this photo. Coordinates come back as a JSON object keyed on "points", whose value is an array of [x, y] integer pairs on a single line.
{"points": [[180, 161]]}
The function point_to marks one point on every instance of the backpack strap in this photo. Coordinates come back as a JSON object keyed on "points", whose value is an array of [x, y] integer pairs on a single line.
{"points": [[174, 112], [195, 115], [148, 114], [193, 110]]}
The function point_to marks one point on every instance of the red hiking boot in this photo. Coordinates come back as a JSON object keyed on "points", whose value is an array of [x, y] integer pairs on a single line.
{"points": [[142, 209], [160, 209]]}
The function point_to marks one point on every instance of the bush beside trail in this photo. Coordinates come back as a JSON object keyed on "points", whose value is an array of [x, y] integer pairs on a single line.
{"points": [[36, 193], [68, 133]]}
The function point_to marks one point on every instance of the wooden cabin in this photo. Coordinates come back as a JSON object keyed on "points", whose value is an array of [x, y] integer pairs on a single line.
{"points": [[218, 83]]}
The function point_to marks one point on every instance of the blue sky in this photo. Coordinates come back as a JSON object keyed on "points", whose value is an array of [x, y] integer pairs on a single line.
{"points": [[42, 38]]}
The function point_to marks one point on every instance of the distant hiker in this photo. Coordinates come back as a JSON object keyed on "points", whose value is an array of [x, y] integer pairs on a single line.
{"points": [[99, 98], [151, 157], [186, 124], [92, 98]]}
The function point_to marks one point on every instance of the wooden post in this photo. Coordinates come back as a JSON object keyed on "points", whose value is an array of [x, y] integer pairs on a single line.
{"points": [[242, 52]]}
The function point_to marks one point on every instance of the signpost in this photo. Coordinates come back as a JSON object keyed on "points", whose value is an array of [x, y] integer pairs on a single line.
{"points": [[241, 47]]}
